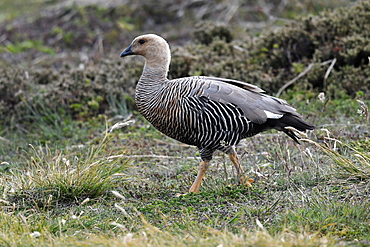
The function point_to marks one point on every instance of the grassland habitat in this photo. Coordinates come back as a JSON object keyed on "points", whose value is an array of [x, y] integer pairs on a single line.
{"points": [[79, 166]]}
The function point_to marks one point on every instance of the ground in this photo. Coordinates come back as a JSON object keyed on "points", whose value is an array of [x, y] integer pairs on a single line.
{"points": [[67, 181]]}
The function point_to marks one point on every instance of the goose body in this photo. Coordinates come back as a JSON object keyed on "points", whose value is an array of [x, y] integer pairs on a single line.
{"points": [[208, 112]]}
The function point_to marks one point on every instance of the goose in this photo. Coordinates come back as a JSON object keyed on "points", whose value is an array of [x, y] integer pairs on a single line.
{"points": [[207, 112]]}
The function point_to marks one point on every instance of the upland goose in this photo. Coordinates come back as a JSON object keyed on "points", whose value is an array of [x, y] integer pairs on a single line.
{"points": [[207, 112]]}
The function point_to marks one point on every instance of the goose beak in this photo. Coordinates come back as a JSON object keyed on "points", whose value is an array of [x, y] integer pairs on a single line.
{"points": [[127, 52]]}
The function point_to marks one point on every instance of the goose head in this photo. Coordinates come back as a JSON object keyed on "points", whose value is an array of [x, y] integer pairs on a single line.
{"points": [[154, 49]]}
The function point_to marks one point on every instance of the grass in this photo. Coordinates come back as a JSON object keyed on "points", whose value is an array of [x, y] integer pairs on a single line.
{"points": [[48, 179], [354, 165], [314, 194], [150, 236], [67, 182]]}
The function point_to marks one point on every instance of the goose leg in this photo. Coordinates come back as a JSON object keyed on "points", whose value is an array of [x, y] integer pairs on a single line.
{"points": [[203, 166], [239, 170]]}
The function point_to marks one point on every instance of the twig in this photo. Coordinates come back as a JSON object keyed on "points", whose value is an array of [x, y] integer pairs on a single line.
{"points": [[294, 79], [329, 70], [5, 140], [309, 67], [301, 133], [120, 125]]}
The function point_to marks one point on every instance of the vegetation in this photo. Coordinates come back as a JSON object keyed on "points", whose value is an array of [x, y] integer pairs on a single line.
{"points": [[79, 166]]}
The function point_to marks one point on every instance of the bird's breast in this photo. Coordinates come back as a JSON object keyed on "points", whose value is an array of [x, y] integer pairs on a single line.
{"points": [[166, 108]]}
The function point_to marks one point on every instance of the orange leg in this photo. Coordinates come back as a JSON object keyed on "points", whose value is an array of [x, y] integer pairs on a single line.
{"points": [[203, 166], [239, 170]]}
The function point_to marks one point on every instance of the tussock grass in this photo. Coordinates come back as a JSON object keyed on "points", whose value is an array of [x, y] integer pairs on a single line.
{"points": [[61, 177], [349, 161]]}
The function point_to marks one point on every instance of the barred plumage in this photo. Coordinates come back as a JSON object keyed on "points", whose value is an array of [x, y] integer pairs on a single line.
{"points": [[207, 112]]}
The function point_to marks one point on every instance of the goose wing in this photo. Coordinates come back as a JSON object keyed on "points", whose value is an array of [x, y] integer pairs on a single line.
{"points": [[257, 107], [240, 84]]}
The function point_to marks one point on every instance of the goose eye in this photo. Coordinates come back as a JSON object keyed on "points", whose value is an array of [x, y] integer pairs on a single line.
{"points": [[141, 41]]}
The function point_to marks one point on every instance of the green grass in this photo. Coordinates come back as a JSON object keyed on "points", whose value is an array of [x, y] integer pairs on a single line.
{"points": [[332, 218], [60, 194]]}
